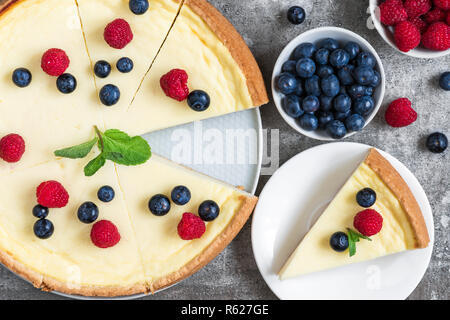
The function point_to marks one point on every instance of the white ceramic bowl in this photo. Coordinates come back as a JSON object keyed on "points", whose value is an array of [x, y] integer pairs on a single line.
{"points": [[388, 35], [313, 36]]}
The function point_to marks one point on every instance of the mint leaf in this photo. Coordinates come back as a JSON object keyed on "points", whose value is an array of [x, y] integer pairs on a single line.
{"points": [[94, 165], [77, 152], [354, 237], [120, 148]]}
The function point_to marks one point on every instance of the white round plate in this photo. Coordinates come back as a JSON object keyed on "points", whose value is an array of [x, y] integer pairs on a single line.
{"points": [[196, 137], [291, 202]]}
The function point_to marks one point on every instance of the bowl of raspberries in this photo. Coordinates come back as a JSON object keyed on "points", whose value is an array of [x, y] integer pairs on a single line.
{"points": [[328, 83], [418, 28]]}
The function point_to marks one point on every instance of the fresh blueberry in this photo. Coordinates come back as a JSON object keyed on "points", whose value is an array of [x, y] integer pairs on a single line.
{"points": [[109, 95], [310, 104], [339, 241], [296, 15], [368, 91], [329, 43], [299, 88], [40, 212], [138, 6], [321, 56], [364, 75], [326, 103], [312, 86], [376, 79], [286, 83], [106, 194], [306, 68], [21, 77], [336, 129], [355, 122], [341, 116], [291, 105], [181, 195], [198, 100], [159, 205], [66, 83], [304, 50], [88, 212], [366, 197], [345, 75], [330, 86], [125, 65], [324, 117], [353, 49], [208, 210], [365, 59], [325, 71], [363, 106], [308, 122], [356, 91], [43, 228], [342, 103], [289, 66], [437, 142], [444, 81], [339, 58], [102, 69]]}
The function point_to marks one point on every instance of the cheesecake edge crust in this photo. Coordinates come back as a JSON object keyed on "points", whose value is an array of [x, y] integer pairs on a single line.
{"points": [[401, 190]]}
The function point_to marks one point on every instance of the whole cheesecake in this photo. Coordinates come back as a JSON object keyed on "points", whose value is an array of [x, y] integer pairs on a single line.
{"points": [[151, 254]]}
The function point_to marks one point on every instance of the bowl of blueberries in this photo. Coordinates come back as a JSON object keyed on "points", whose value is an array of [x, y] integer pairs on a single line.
{"points": [[328, 83]]}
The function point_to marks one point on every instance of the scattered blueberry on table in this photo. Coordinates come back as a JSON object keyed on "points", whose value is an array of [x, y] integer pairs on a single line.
{"points": [[21, 77], [296, 15], [329, 86]]}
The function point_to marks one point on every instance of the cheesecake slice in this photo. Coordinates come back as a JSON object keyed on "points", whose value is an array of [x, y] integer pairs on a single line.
{"points": [[149, 31], [45, 118], [203, 43], [167, 258], [403, 228]]}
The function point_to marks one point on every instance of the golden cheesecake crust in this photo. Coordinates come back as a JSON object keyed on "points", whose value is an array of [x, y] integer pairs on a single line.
{"points": [[398, 186]]}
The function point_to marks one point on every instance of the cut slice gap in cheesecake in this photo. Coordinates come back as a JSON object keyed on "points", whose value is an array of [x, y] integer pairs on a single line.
{"points": [[204, 44], [40, 112], [403, 228], [149, 32], [68, 261], [167, 258]]}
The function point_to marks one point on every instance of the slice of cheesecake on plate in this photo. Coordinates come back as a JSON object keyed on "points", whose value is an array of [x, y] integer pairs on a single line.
{"points": [[403, 226]]}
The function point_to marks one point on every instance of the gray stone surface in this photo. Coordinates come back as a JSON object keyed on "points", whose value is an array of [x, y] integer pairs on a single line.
{"points": [[233, 274]]}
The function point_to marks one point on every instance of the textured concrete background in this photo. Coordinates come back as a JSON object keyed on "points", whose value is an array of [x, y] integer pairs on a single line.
{"points": [[233, 274]]}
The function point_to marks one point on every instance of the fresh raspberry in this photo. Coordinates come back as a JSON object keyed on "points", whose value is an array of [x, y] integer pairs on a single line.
{"points": [[55, 62], [434, 15], [174, 84], [191, 227], [368, 222], [437, 37], [416, 8], [118, 34], [51, 194], [104, 234], [406, 36], [392, 12], [443, 4], [419, 23], [12, 148], [400, 114]]}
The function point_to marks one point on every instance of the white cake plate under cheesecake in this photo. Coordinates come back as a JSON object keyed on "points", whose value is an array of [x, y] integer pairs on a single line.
{"points": [[290, 204]]}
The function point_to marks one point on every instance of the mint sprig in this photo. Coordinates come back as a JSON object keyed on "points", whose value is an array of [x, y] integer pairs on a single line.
{"points": [[114, 145], [353, 237]]}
